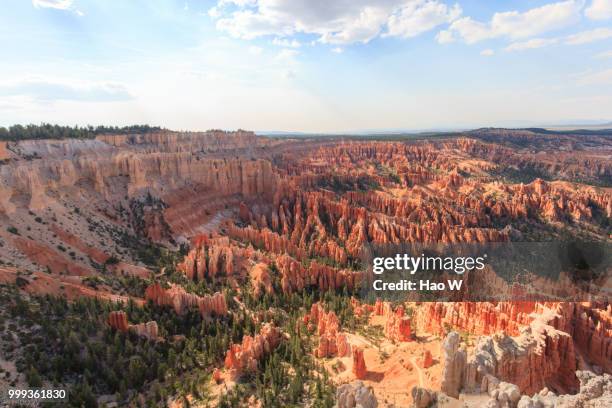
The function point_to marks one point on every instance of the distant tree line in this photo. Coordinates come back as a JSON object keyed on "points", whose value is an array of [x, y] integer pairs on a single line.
{"points": [[49, 131]]}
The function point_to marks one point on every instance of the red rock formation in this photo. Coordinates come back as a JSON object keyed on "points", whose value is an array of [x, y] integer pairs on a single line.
{"points": [[475, 317], [261, 279], [295, 277], [176, 297], [359, 366], [243, 358], [332, 343], [213, 257], [590, 326], [425, 360], [361, 309], [397, 326], [541, 355], [118, 321]]}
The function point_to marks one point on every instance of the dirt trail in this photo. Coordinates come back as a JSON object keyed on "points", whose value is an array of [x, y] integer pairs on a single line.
{"points": [[419, 372]]}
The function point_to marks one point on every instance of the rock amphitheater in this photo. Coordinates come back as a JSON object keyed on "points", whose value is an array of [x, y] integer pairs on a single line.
{"points": [[270, 216]]}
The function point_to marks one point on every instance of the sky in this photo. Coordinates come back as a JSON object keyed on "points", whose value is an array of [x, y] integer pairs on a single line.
{"points": [[306, 65]]}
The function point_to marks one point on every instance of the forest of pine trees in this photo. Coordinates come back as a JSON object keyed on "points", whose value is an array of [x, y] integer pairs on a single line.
{"points": [[48, 131], [70, 345]]}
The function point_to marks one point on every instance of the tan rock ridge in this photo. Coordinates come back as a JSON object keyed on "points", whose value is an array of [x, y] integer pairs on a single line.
{"points": [[180, 300], [244, 357], [295, 277], [157, 168], [541, 355], [210, 258]]}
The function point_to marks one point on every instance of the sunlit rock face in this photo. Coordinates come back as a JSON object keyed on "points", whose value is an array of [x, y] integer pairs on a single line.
{"points": [[266, 218]]}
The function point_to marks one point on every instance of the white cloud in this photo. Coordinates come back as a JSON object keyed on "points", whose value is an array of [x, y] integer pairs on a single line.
{"points": [[589, 36], [445, 37], [470, 30], [44, 89], [517, 25], [56, 4], [284, 42], [415, 18], [338, 50], [599, 10], [214, 12], [487, 53], [531, 44], [605, 54], [332, 21], [255, 50]]}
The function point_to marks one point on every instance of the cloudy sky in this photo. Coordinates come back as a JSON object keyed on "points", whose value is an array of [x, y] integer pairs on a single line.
{"points": [[306, 65]]}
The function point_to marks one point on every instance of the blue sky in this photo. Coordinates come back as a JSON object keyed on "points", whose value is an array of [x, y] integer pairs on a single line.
{"points": [[306, 65]]}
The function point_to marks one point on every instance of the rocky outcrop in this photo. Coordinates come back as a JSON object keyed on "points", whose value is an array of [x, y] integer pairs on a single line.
{"points": [[148, 330], [422, 397], [425, 360], [295, 277], [244, 357], [397, 326], [454, 359], [595, 392], [502, 394], [215, 257], [261, 279], [332, 342], [355, 395], [590, 325], [541, 355], [118, 321], [359, 366], [180, 300]]}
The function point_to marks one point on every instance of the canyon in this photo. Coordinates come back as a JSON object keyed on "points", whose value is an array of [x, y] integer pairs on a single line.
{"points": [[256, 248]]}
